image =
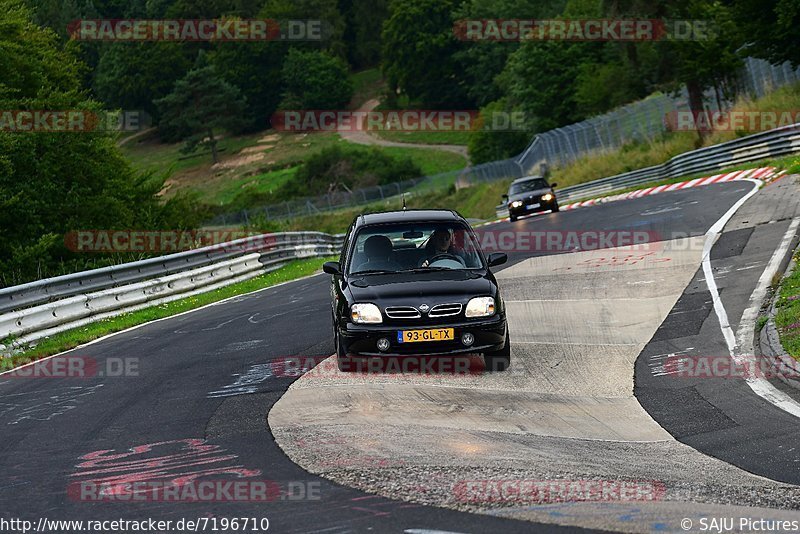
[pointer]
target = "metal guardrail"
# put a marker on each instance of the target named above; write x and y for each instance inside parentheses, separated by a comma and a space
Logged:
(42, 291)
(773, 143)
(46, 306)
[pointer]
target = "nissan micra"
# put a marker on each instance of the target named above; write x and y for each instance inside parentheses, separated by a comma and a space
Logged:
(415, 283)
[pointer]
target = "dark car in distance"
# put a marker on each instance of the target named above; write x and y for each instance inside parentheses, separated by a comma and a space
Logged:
(528, 195)
(415, 283)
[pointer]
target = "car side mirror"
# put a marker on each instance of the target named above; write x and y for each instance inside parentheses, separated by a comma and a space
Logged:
(497, 258)
(332, 267)
(553, 185)
(505, 197)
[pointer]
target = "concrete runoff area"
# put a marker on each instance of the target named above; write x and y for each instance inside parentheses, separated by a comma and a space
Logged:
(564, 411)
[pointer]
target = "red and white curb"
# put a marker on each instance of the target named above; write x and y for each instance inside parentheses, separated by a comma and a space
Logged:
(765, 174)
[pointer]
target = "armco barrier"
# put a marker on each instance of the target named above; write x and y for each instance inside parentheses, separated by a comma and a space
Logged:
(48, 306)
(40, 291)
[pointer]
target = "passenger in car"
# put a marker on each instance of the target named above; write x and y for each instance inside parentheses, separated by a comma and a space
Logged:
(379, 252)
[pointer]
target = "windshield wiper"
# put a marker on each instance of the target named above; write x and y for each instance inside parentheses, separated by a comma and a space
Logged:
(423, 269)
(374, 271)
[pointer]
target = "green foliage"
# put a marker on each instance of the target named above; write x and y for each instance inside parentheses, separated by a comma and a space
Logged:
(540, 79)
(201, 103)
(132, 76)
(55, 182)
(315, 80)
(480, 62)
(326, 11)
(255, 68)
(335, 168)
(418, 53)
(709, 61)
(771, 28)
(363, 31)
(488, 145)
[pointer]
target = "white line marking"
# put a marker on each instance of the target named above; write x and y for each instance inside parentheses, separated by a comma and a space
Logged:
(744, 337)
(746, 330)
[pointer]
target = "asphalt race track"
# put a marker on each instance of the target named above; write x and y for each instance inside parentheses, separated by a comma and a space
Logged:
(585, 398)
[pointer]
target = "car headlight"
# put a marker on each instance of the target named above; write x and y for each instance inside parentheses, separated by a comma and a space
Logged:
(480, 307)
(547, 197)
(516, 204)
(365, 314)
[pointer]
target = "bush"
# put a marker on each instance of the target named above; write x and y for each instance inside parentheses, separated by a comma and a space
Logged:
(337, 169)
(315, 80)
(487, 145)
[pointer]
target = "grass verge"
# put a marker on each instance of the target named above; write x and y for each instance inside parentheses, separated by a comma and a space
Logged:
(427, 138)
(367, 84)
(430, 161)
(78, 336)
(787, 316)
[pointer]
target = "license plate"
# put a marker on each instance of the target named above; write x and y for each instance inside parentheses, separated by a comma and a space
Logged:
(532, 206)
(414, 336)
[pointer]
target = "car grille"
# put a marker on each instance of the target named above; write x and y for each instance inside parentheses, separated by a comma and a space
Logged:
(445, 310)
(402, 312)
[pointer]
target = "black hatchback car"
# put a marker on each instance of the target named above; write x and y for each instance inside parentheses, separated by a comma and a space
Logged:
(531, 194)
(415, 283)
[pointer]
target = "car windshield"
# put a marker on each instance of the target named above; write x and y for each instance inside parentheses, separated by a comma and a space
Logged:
(412, 247)
(527, 185)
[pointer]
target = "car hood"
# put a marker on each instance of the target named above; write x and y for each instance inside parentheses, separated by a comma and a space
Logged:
(526, 194)
(413, 289)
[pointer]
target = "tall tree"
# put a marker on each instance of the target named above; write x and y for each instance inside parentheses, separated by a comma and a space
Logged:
(134, 75)
(418, 53)
(770, 27)
(540, 79)
(200, 103)
(362, 34)
(708, 58)
(315, 80)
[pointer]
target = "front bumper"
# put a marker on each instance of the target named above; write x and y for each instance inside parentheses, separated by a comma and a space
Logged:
(361, 340)
(523, 210)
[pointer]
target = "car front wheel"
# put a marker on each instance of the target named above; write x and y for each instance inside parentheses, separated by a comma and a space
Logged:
(343, 362)
(498, 360)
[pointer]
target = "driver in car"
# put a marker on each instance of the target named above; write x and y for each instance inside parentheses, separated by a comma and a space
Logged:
(440, 244)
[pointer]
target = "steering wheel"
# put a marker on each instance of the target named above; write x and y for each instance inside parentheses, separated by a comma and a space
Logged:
(446, 256)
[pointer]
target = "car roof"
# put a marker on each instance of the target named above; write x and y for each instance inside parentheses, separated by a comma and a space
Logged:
(416, 215)
(527, 178)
